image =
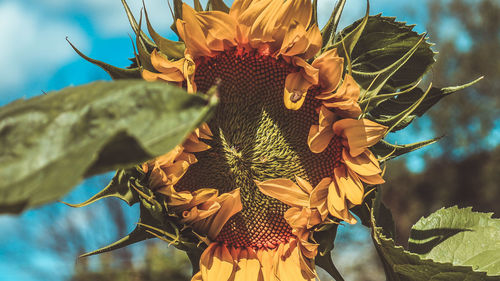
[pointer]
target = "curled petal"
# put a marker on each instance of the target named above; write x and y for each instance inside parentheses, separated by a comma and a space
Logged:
(330, 67)
(320, 136)
(200, 212)
(230, 204)
(319, 195)
(304, 185)
(298, 41)
(365, 164)
(345, 99)
(374, 179)
(296, 87)
(315, 41)
(350, 183)
(360, 134)
(337, 205)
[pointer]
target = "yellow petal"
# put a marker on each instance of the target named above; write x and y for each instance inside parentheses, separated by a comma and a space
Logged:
(330, 67)
(193, 144)
(230, 204)
(203, 195)
(216, 263)
(192, 33)
(238, 7)
(318, 140)
(200, 212)
(295, 41)
(336, 198)
(165, 66)
(165, 77)
(197, 277)
(305, 185)
(294, 10)
(350, 184)
(375, 179)
(284, 190)
(296, 87)
(365, 164)
(189, 71)
(249, 268)
(319, 195)
(220, 29)
(260, 18)
(297, 217)
(360, 134)
(315, 41)
(266, 257)
(345, 99)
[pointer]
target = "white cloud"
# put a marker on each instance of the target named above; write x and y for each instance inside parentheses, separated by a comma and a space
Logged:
(32, 46)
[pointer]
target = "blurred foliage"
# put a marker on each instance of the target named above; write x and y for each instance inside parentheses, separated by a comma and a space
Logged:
(472, 181)
(465, 119)
(467, 35)
(158, 263)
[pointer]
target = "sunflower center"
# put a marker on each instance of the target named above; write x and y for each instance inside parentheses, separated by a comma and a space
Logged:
(255, 138)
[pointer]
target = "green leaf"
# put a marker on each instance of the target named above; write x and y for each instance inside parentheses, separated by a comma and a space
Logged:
(119, 187)
(399, 103)
(383, 42)
(137, 235)
(172, 49)
(325, 237)
(460, 237)
(50, 143)
(348, 39)
(116, 73)
(389, 151)
(217, 5)
(402, 265)
(137, 29)
(329, 30)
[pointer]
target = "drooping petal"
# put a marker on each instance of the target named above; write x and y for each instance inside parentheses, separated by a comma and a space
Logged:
(216, 263)
(193, 144)
(295, 41)
(374, 179)
(319, 195)
(315, 41)
(192, 33)
(230, 204)
(170, 71)
(305, 185)
(345, 99)
(350, 183)
(360, 134)
(330, 67)
(320, 135)
(301, 42)
(296, 87)
(200, 212)
(284, 190)
(365, 164)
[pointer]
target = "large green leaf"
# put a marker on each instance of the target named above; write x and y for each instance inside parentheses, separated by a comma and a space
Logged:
(460, 237)
(50, 143)
(383, 42)
(402, 265)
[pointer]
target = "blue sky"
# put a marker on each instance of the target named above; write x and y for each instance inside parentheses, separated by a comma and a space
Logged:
(35, 57)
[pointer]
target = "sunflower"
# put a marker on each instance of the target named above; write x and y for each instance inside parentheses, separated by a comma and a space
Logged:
(288, 120)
